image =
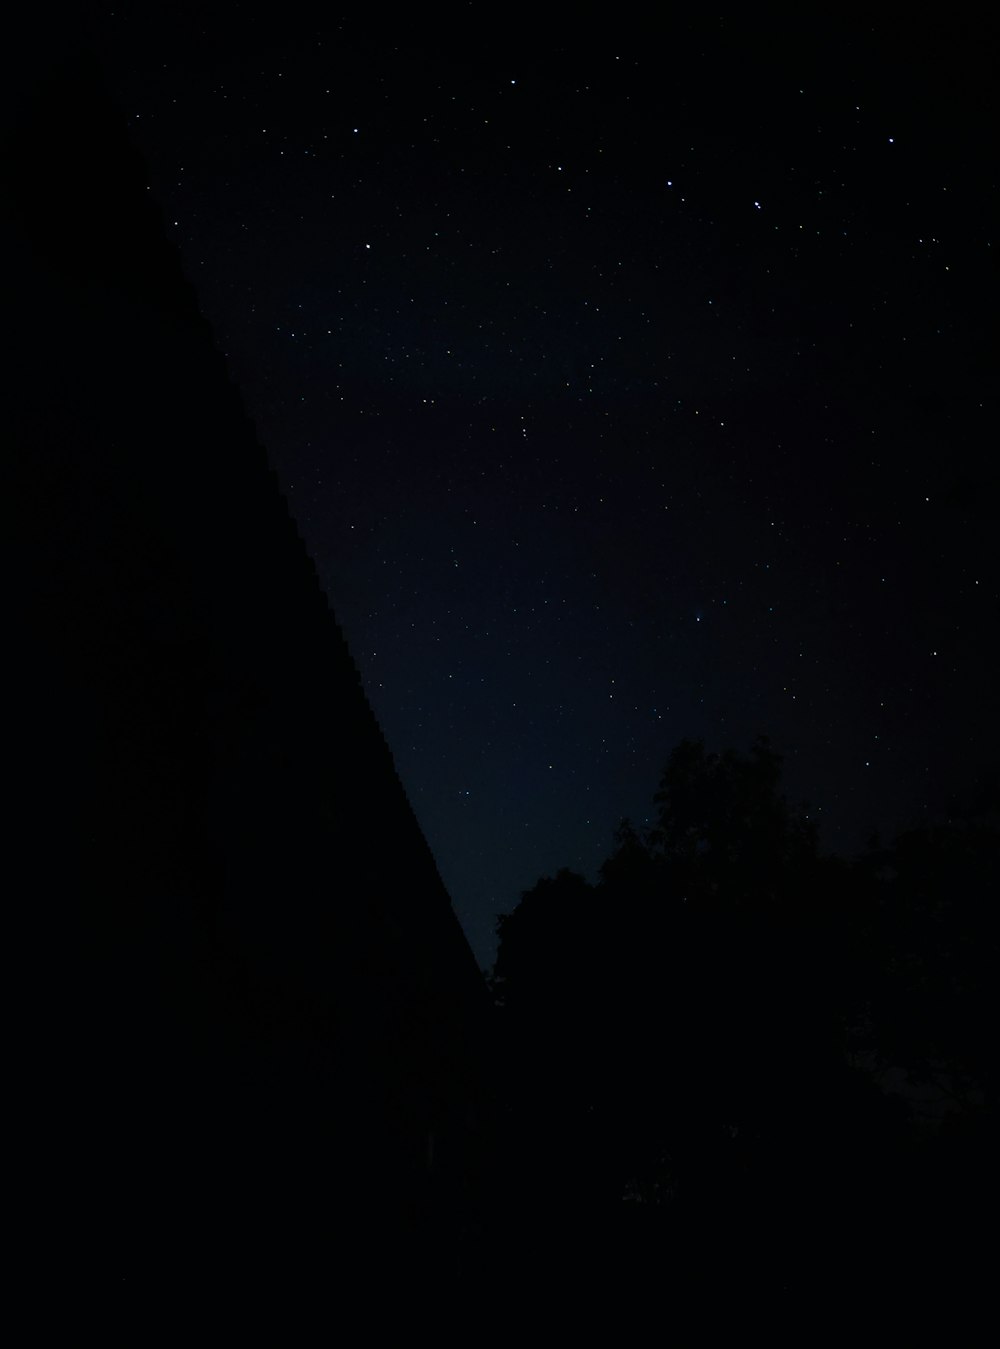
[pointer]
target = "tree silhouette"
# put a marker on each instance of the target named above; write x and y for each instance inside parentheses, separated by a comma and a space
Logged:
(927, 993)
(699, 1048)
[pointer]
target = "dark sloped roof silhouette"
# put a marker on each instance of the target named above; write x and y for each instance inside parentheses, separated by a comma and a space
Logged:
(254, 1026)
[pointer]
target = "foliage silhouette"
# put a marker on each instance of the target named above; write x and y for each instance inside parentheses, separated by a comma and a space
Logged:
(710, 1053)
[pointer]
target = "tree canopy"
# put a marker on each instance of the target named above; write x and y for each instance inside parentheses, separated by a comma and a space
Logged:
(728, 1022)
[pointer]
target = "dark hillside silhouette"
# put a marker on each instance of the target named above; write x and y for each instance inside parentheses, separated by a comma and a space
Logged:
(253, 1027)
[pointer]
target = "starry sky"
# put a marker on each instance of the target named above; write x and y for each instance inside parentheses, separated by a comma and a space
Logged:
(628, 379)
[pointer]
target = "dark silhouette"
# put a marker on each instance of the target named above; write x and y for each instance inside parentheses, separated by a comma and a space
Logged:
(253, 1029)
(714, 1055)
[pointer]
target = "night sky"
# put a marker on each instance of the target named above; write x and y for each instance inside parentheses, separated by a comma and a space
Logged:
(628, 381)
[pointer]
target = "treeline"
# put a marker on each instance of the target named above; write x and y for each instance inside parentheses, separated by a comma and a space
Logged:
(736, 1062)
